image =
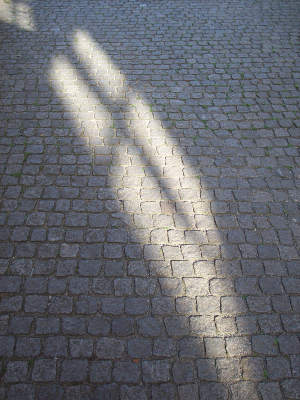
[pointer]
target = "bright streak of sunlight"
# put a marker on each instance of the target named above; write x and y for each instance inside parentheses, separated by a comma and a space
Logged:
(100, 65)
(84, 106)
(146, 130)
(6, 14)
(161, 154)
(24, 17)
(17, 13)
(149, 147)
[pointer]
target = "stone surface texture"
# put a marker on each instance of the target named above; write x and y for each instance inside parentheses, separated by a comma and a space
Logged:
(150, 220)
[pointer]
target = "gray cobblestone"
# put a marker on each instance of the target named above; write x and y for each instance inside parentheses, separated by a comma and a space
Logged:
(156, 371)
(112, 305)
(278, 367)
(21, 391)
(78, 285)
(171, 286)
(191, 347)
(270, 390)
(228, 369)
(36, 285)
(16, 371)
(27, 347)
(81, 348)
(100, 371)
(164, 347)
(264, 345)
(238, 346)
(86, 305)
(36, 304)
(289, 344)
(108, 390)
(140, 347)
(133, 392)
(20, 325)
(150, 326)
(177, 326)
(183, 372)
(137, 305)
(166, 391)
(11, 304)
(110, 348)
(89, 267)
(47, 325)
(122, 326)
(295, 365)
(57, 286)
(162, 305)
(203, 325)
(44, 371)
(98, 326)
(291, 388)
(215, 347)
(244, 390)
(253, 368)
(145, 286)
(55, 346)
(149, 203)
(74, 371)
(126, 371)
(123, 286)
(73, 325)
(212, 389)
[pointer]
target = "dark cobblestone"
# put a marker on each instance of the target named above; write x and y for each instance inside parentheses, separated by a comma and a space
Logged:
(16, 371)
(100, 371)
(140, 348)
(156, 371)
(126, 371)
(27, 347)
(44, 371)
(74, 371)
(56, 346)
(110, 348)
(133, 392)
(21, 391)
(20, 325)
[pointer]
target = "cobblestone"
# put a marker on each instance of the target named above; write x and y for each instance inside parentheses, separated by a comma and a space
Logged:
(149, 222)
(74, 371)
(16, 371)
(44, 371)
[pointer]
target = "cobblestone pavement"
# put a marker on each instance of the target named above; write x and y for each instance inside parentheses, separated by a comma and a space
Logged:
(150, 177)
